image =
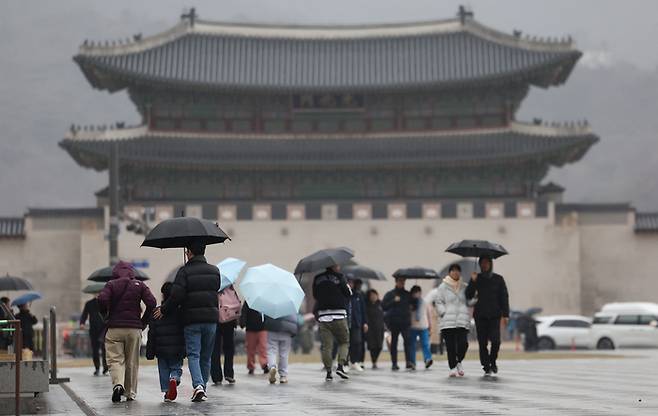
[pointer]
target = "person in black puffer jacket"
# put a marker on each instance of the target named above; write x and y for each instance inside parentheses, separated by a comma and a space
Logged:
(195, 292)
(489, 291)
(397, 314)
(167, 343)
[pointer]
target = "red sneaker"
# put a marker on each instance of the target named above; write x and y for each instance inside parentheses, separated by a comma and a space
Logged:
(172, 393)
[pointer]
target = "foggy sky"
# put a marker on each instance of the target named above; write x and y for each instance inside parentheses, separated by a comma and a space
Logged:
(42, 91)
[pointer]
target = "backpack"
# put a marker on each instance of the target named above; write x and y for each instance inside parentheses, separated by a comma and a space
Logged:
(229, 305)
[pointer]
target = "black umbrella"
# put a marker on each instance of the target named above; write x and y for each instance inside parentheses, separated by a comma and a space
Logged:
(477, 248)
(416, 273)
(324, 258)
(180, 232)
(105, 275)
(357, 271)
(14, 283)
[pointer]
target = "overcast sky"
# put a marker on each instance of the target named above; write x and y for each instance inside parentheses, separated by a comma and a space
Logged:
(42, 91)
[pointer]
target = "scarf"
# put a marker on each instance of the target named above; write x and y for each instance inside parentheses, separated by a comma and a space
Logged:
(452, 283)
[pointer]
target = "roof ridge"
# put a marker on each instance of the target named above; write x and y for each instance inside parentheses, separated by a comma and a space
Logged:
(324, 32)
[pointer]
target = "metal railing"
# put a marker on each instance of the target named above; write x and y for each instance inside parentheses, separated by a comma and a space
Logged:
(14, 325)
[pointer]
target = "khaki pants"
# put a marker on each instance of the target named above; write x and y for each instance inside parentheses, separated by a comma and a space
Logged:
(335, 330)
(122, 349)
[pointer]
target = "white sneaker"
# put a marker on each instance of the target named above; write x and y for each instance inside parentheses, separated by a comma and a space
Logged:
(356, 367)
(460, 369)
(453, 372)
(199, 395)
(272, 375)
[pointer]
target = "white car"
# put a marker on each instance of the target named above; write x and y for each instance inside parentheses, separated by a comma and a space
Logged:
(626, 324)
(563, 331)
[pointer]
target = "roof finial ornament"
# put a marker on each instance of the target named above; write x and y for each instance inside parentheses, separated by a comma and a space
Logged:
(190, 15)
(464, 14)
(517, 33)
(137, 37)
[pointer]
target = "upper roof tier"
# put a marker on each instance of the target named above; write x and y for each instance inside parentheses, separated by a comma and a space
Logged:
(551, 145)
(230, 56)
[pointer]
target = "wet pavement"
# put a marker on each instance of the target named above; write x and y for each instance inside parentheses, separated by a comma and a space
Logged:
(609, 386)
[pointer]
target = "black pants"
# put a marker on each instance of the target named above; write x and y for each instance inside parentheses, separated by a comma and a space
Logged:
(456, 340)
(395, 333)
(356, 345)
(488, 330)
(98, 351)
(374, 354)
(224, 343)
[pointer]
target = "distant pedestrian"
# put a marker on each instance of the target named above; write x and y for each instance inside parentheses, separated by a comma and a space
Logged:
(280, 332)
(195, 293)
(229, 313)
(92, 312)
(27, 325)
(121, 300)
(420, 327)
(376, 326)
(397, 313)
(167, 342)
(490, 292)
(256, 338)
(454, 317)
(332, 294)
(5, 311)
(358, 325)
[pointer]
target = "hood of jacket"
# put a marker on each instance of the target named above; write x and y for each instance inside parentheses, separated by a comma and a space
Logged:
(123, 270)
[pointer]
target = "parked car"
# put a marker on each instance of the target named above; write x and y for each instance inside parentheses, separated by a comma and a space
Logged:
(626, 324)
(563, 331)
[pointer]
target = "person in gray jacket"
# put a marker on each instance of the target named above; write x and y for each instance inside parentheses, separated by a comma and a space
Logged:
(455, 317)
(279, 340)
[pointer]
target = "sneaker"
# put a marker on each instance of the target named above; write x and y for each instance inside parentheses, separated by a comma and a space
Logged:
(172, 393)
(374, 366)
(117, 392)
(395, 367)
(166, 400)
(283, 380)
(329, 377)
(452, 372)
(411, 367)
(106, 371)
(266, 369)
(272, 375)
(428, 363)
(494, 368)
(251, 372)
(230, 380)
(356, 367)
(460, 369)
(487, 373)
(97, 373)
(199, 395)
(342, 373)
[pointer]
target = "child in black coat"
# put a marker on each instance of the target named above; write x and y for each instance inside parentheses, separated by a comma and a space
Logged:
(167, 342)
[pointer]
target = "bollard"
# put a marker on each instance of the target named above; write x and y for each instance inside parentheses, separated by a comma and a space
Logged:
(44, 339)
(18, 341)
(53, 350)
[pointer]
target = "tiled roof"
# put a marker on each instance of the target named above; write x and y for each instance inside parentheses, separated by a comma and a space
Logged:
(555, 146)
(12, 227)
(266, 57)
(646, 222)
(593, 207)
(65, 212)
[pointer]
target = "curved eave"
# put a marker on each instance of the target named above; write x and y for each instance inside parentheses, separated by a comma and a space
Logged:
(367, 151)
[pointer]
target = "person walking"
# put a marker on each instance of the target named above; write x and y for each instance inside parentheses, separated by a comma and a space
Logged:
(280, 332)
(229, 313)
(195, 293)
(121, 300)
(256, 338)
(397, 314)
(454, 317)
(420, 327)
(358, 325)
(27, 325)
(375, 335)
(92, 312)
(489, 292)
(332, 294)
(167, 342)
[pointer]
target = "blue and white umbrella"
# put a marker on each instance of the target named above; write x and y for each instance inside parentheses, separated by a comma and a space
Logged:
(272, 291)
(229, 270)
(26, 298)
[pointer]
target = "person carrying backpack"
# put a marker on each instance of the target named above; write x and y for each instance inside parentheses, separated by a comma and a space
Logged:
(229, 314)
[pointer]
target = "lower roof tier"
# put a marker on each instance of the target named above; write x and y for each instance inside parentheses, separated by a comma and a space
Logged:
(553, 146)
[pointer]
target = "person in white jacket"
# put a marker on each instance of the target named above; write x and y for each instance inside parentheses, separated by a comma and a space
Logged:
(454, 317)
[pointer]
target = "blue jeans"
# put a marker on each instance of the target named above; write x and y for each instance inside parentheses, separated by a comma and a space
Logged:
(169, 368)
(424, 335)
(199, 342)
